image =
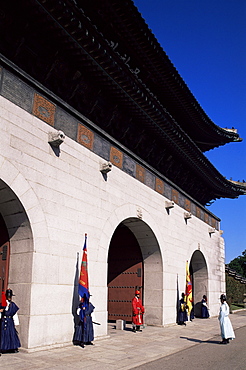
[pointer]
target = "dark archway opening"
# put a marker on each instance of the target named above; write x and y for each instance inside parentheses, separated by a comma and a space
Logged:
(125, 273)
(199, 275)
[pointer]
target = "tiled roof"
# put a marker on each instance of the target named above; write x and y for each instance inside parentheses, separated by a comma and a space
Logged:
(101, 58)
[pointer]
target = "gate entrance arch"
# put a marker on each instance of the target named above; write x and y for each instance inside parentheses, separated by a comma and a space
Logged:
(199, 272)
(16, 244)
(134, 260)
(125, 274)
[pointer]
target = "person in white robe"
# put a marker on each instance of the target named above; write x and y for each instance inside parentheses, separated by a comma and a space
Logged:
(226, 328)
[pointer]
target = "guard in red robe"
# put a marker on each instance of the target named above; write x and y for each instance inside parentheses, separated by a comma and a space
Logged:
(137, 312)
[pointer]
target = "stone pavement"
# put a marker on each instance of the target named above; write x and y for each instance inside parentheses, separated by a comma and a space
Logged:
(123, 349)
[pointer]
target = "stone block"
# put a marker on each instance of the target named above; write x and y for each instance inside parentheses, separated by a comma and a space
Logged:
(153, 316)
(101, 318)
(46, 269)
(21, 245)
(120, 324)
(52, 329)
(20, 185)
(22, 274)
(58, 298)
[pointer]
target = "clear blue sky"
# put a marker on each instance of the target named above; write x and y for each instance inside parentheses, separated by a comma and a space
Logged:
(206, 42)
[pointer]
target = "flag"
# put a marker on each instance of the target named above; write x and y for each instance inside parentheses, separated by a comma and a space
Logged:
(83, 278)
(83, 289)
(188, 290)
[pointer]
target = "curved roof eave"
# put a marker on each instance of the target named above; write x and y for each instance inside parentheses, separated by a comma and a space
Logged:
(195, 122)
(182, 98)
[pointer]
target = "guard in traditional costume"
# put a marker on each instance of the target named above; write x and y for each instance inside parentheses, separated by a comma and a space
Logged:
(205, 313)
(84, 332)
(137, 312)
(9, 341)
(182, 314)
(226, 329)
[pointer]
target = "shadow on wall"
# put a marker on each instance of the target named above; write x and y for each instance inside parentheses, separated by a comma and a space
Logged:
(198, 309)
(177, 302)
(75, 300)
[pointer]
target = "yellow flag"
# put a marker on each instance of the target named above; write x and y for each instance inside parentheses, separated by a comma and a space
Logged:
(188, 290)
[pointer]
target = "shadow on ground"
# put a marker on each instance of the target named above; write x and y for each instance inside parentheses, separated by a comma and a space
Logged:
(201, 341)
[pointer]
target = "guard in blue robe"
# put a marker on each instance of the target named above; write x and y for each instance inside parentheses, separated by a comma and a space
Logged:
(84, 332)
(205, 313)
(9, 337)
(89, 331)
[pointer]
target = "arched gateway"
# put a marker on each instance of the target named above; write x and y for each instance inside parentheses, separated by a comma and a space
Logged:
(199, 273)
(134, 260)
(16, 243)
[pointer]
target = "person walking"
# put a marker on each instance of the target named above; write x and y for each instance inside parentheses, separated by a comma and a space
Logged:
(9, 340)
(226, 329)
(205, 313)
(137, 312)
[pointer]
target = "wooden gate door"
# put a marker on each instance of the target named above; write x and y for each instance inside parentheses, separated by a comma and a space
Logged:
(4, 255)
(125, 273)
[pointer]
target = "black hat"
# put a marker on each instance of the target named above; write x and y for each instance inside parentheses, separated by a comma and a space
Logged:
(9, 293)
(223, 297)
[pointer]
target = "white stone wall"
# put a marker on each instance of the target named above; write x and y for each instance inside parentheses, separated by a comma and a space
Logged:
(65, 197)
